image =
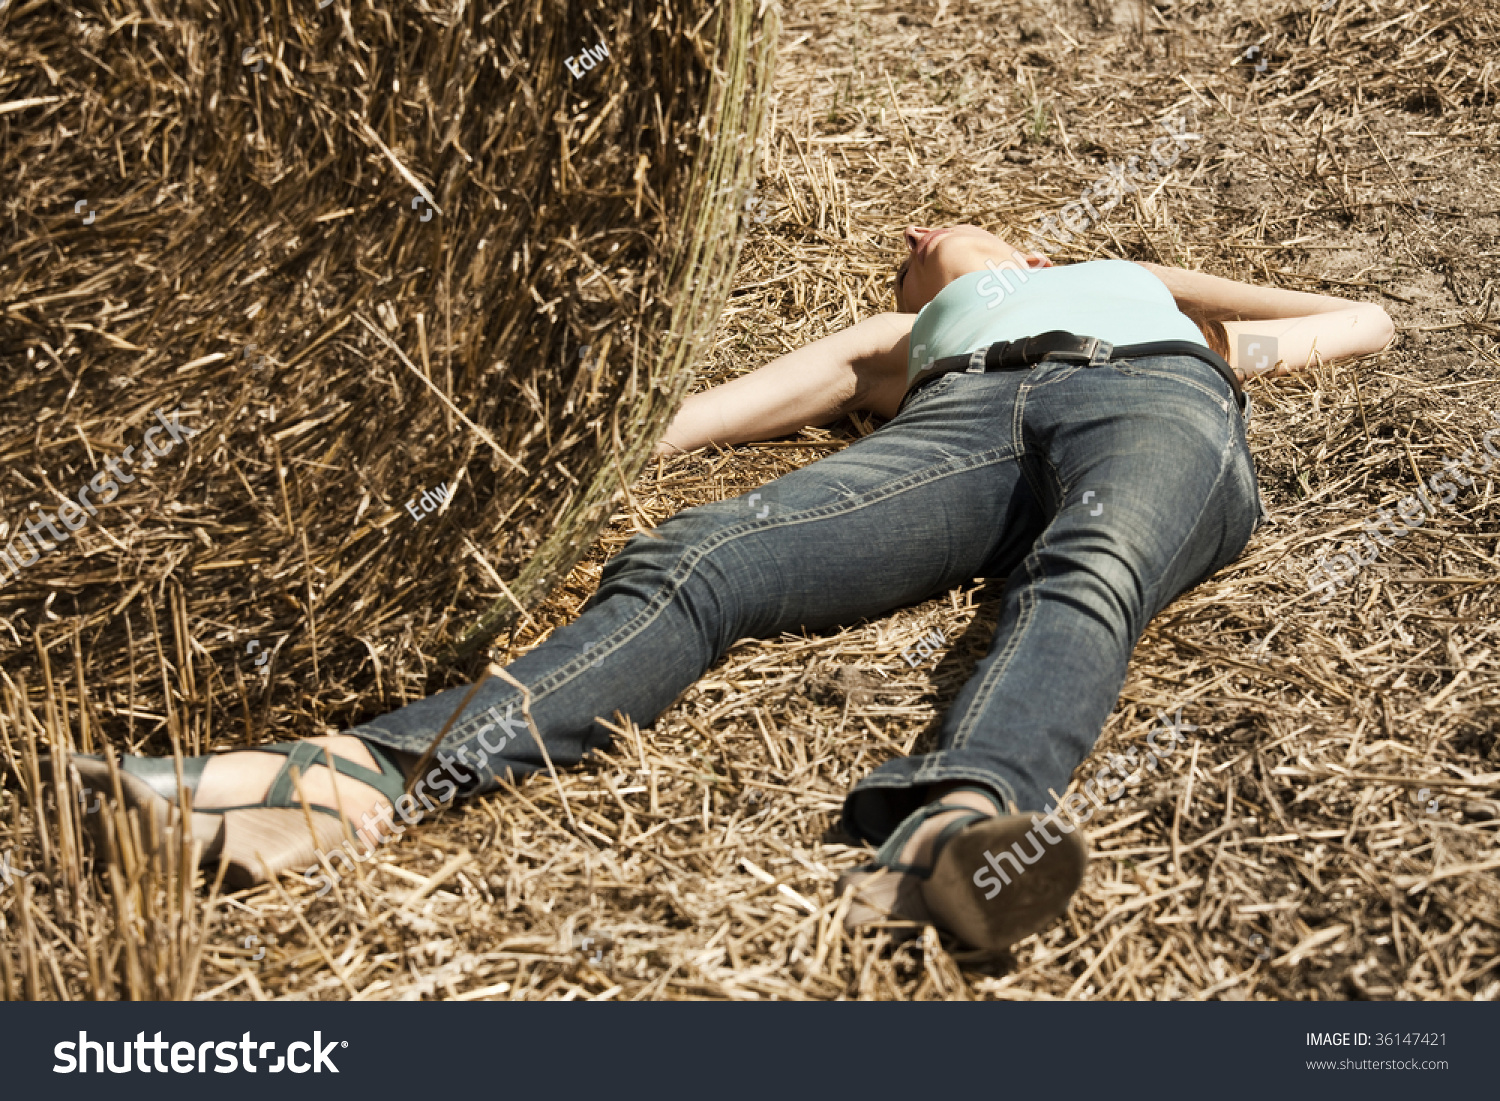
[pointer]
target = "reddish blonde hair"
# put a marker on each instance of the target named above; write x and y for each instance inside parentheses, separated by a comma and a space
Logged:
(1214, 333)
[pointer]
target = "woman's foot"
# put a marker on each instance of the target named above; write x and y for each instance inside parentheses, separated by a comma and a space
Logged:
(883, 895)
(245, 775)
(948, 869)
(246, 808)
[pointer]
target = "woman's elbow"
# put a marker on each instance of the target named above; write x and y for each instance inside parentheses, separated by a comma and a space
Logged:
(1382, 329)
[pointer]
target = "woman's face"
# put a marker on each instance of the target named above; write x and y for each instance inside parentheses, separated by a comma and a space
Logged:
(936, 257)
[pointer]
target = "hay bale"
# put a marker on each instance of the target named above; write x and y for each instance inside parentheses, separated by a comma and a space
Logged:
(359, 253)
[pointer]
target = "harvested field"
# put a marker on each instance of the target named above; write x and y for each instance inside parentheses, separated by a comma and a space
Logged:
(1328, 830)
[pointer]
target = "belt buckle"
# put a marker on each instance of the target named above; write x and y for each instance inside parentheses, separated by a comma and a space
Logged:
(976, 362)
(1094, 353)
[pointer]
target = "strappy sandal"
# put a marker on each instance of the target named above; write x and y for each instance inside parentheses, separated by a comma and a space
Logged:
(946, 892)
(250, 837)
(907, 904)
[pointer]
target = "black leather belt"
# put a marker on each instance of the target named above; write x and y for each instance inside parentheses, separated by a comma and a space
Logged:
(1019, 355)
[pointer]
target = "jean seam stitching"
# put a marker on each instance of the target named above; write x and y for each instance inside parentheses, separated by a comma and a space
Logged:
(934, 387)
(1224, 457)
(683, 569)
(1036, 573)
(1168, 376)
(1018, 435)
(914, 480)
(561, 677)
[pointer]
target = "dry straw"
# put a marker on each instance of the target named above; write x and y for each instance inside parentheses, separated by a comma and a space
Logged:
(359, 247)
(1329, 834)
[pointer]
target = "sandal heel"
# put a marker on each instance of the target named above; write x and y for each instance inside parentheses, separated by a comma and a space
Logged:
(271, 833)
(1030, 899)
(256, 838)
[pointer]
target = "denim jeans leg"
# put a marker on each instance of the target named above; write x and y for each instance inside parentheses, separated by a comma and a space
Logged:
(895, 518)
(1148, 488)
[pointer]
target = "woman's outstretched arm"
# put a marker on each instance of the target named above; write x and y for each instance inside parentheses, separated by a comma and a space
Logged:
(855, 368)
(1299, 323)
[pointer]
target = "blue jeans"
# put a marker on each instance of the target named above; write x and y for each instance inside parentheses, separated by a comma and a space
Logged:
(1101, 493)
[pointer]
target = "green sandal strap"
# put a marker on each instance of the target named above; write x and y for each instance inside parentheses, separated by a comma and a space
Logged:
(946, 833)
(302, 756)
(889, 855)
(160, 773)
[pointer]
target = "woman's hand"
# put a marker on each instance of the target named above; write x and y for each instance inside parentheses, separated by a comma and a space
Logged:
(1272, 331)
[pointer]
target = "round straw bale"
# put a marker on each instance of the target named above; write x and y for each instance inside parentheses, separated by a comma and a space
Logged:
(416, 291)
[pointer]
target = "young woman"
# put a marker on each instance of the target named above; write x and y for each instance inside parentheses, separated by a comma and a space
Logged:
(1102, 481)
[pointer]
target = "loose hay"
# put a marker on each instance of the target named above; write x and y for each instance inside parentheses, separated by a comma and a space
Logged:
(1288, 851)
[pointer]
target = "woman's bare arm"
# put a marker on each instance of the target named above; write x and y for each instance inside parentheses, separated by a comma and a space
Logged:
(1279, 346)
(855, 368)
(1274, 331)
(1220, 299)
(865, 365)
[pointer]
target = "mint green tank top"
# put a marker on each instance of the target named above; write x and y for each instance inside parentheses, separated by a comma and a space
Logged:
(1114, 300)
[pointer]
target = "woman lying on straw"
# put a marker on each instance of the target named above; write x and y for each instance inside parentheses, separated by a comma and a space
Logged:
(1103, 474)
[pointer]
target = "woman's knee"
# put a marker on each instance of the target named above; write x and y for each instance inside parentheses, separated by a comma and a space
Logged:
(669, 555)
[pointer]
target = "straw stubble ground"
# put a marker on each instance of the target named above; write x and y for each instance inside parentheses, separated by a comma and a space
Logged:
(1329, 829)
